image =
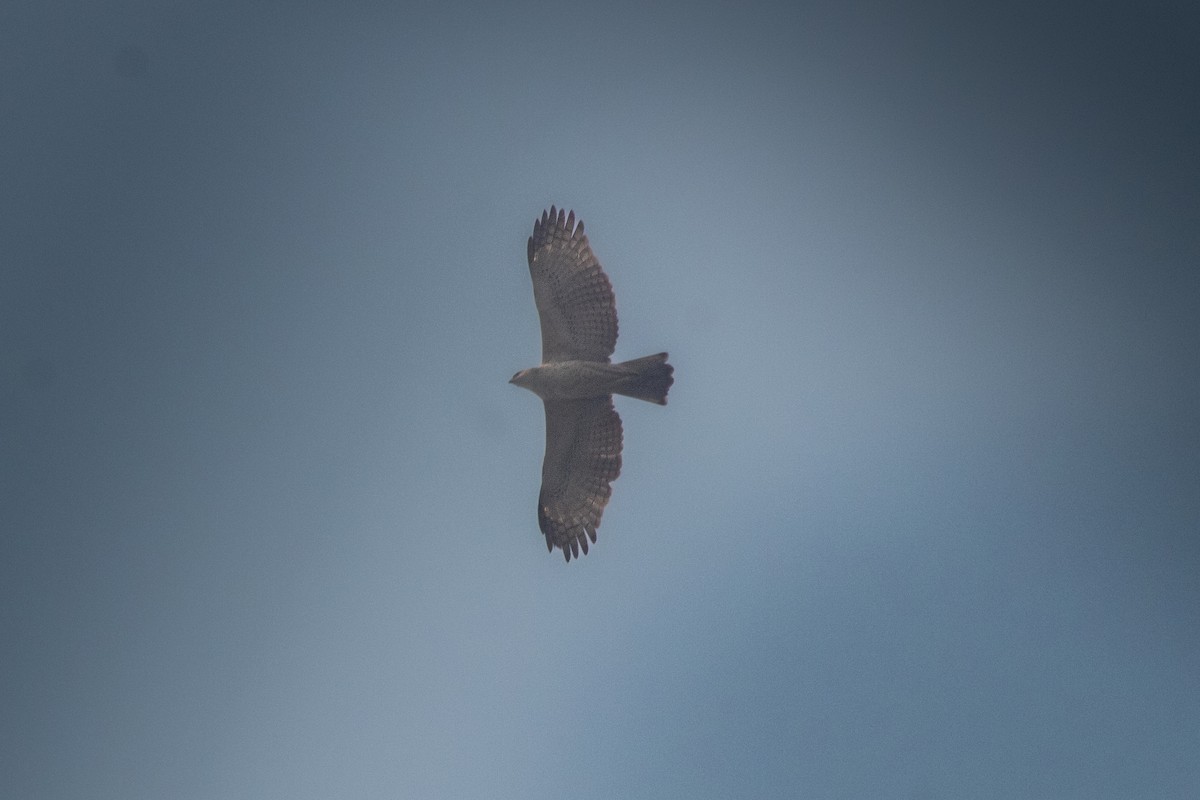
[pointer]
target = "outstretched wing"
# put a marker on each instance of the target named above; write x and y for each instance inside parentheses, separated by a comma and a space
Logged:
(574, 299)
(583, 456)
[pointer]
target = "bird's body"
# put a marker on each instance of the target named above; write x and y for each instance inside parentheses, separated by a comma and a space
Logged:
(643, 378)
(577, 380)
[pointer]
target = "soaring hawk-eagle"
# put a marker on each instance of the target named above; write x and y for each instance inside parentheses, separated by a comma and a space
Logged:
(576, 381)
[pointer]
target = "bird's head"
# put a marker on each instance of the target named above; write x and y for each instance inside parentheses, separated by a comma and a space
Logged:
(527, 379)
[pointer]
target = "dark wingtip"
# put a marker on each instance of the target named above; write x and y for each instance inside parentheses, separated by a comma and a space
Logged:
(560, 218)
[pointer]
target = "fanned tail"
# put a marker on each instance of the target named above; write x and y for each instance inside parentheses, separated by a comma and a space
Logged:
(650, 378)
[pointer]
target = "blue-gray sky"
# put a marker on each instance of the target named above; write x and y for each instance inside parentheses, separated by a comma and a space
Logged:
(922, 519)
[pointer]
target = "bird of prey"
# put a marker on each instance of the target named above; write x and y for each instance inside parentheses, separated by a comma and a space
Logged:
(576, 381)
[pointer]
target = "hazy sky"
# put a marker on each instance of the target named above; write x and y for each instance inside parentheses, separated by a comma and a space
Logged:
(921, 520)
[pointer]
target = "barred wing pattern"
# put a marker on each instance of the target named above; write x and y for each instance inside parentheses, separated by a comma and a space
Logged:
(583, 456)
(574, 298)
